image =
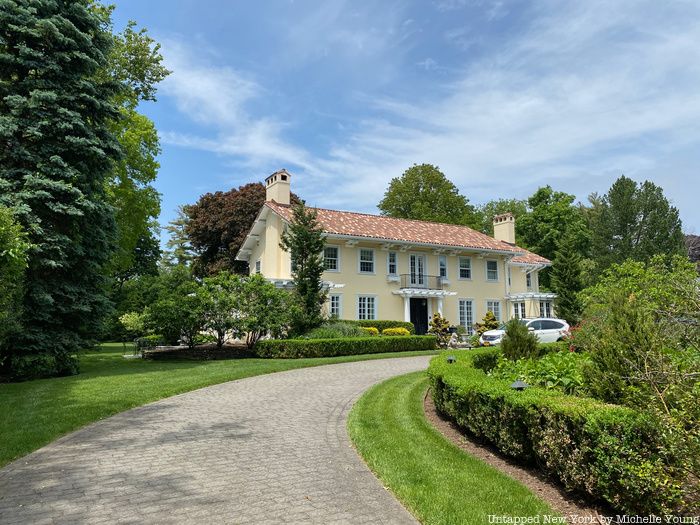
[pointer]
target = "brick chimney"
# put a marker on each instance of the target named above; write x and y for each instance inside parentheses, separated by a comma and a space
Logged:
(277, 187)
(504, 228)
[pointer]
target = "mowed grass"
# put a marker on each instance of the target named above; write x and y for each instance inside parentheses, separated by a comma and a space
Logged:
(35, 413)
(434, 479)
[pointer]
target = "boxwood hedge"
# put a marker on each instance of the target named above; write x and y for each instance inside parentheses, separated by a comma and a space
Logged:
(295, 348)
(382, 325)
(608, 452)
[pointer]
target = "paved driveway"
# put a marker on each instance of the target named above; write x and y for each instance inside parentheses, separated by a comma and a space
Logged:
(267, 449)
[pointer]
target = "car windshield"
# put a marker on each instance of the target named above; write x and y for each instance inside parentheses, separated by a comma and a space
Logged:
(502, 326)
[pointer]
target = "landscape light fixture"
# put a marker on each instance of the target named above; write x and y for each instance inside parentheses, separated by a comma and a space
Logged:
(451, 359)
(519, 385)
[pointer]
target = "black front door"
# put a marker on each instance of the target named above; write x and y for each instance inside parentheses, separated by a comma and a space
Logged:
(419, 315)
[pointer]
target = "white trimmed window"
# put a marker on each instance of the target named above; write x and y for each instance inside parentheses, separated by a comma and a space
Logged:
(257, 266)
(331, 259)
(495, 308)
(491, 270)
(545, 308)
(442, 264)
(334, 305)
(466, 315)
(392, 267)
(519, 310)
(366, 307)
(465, 268)
(528, 280)
(366, 260)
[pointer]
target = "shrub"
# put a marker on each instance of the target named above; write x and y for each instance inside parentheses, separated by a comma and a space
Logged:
(440, 328)
(147, 341)
(561, 371)
(606, 451)
(383, 324)
(518, 341)
(400, 331)
(489, 322)
(371, 330)
(297, 348)
(334, 330)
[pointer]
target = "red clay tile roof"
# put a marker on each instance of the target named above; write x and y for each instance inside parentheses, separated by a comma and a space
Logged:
(391, 229)
(529, 258)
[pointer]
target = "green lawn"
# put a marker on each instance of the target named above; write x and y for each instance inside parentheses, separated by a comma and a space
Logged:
(435, 480)
(35, 413)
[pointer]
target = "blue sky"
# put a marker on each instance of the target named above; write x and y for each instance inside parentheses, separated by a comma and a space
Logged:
(503, 96)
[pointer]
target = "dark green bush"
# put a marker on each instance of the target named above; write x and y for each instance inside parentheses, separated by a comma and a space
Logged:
(36, 366)
(382, 325)
(296, 348)
(518, 341)
(334, 330)
(606, 451)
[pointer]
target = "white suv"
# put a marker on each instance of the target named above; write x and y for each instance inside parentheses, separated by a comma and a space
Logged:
(547, 330)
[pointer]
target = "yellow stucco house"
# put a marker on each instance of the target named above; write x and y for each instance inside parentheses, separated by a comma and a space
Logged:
(385, 268)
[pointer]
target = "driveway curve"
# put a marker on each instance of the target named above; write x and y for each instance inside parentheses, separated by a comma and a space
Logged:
(266, 449)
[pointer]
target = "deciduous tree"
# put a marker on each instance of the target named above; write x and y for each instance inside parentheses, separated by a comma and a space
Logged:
(424, 193)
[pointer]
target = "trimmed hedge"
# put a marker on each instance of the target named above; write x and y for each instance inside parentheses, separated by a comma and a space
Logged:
(381, 325)
(606, 451)
(296, 348)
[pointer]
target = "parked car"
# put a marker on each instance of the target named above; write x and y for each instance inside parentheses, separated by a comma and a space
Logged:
(547, 330)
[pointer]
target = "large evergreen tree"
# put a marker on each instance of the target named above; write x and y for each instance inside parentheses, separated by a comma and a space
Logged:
(567, 279)
(634, 221)
(57, 153)
(304, 240)
(424, 193)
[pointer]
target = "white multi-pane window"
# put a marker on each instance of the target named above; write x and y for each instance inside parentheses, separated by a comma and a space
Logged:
(442, 263)
(366, 260)
(334, 305)
(465, 268)
(392, 267)
(545, 309)
(528, 280)
(257, 266)
(492, 270)
(466, 315)
(495, 308)
(330, 259)
(366, 307)
(509, 276)
(519, 310)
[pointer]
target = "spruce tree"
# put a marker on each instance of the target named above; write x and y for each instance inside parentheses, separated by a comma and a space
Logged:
(567, 279)
(304, 241)
(56, 155)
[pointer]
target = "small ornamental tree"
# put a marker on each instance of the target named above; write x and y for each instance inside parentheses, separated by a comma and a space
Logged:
(489, 322)
(440, 328)
(219, 296)
(263, 309)
(518, 341)
(304, 240)
(178, 315)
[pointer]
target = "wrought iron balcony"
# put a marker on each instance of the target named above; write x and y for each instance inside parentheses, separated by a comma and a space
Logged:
(415, 280)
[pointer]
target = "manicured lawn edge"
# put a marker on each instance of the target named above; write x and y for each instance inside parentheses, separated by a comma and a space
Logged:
(35, 413)
(434, 479)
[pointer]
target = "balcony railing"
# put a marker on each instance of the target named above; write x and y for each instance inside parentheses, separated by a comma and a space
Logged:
(414, 280)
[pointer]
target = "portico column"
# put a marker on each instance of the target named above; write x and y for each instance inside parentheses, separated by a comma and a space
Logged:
(407, 308)
(439, 306)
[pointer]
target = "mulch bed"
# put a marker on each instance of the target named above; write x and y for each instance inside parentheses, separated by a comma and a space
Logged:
(566, 504)
(198, 353)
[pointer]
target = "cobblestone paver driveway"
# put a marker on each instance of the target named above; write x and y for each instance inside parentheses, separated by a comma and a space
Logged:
(267, 449)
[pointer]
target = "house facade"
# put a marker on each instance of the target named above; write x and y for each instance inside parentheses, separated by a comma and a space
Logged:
(385, 268)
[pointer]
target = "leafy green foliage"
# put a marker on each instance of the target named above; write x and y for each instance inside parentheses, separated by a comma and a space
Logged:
(13, 261)
(58, 153)
(606, 451)
(297, 348)
(334, 330)
(559, 370)
(567, 279)
(489, 322)
(179, 250)
(262, 309)
(304, 240)
(218, 223)
(134, 324)
(440, 328)
(220, 298)
(424, 193)
(488, 211)
(518, 341)
(634, 221)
